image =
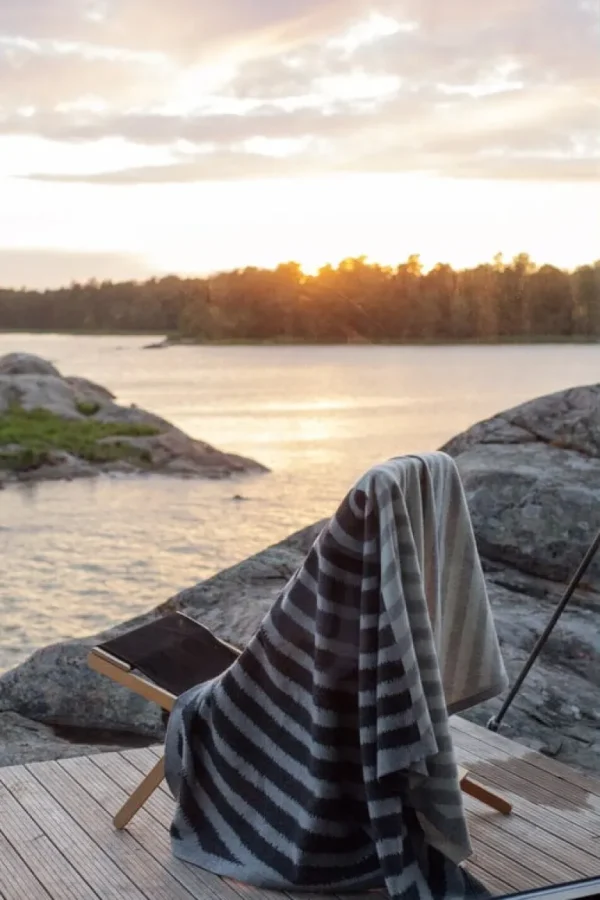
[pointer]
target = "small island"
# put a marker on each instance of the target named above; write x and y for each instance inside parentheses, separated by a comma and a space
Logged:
(56, 427)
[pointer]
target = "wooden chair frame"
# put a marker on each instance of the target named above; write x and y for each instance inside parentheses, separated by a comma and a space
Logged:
(121, 672)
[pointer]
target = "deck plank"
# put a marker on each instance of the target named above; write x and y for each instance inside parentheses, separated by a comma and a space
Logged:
(562, 774)
(531, 857)
(85, 856)
(575, 808)
(531, 824)
(151, 824)
(17, 881)
(105, 785)
(77, 782)
(37, 852)
(554, 776)
(57, 841)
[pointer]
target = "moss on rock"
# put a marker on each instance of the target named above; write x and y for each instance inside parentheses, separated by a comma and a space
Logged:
(28, 438)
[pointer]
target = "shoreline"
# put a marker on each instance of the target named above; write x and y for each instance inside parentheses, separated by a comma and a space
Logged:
(532, 340)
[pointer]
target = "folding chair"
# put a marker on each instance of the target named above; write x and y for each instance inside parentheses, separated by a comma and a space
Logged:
(161, 660)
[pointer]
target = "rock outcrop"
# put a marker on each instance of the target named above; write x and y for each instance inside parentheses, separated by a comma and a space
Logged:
(129, 439)
(26, 364)
(532, 477)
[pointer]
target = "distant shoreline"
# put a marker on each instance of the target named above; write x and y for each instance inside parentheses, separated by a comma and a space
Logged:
(287, 342)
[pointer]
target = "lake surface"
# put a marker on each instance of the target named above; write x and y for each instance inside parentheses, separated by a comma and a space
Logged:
(78, 557)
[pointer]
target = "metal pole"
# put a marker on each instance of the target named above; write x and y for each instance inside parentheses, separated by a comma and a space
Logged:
(495, 722)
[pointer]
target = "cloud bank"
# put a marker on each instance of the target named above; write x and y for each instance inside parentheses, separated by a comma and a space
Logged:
(254, 88)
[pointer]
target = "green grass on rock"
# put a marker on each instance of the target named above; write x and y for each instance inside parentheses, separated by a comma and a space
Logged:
(35, 433)
(87, 407)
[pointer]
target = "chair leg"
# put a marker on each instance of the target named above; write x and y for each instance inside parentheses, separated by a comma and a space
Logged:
(483, 794)
(135, 802)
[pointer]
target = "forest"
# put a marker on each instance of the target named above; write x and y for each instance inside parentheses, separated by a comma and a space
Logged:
(353, 302)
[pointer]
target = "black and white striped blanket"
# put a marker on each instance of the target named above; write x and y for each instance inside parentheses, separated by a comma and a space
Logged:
(322, 759)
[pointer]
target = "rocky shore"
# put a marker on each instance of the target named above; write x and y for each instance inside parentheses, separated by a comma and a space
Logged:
(532, 477)
(56, 427)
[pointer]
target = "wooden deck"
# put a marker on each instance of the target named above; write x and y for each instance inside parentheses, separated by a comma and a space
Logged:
(57, 841)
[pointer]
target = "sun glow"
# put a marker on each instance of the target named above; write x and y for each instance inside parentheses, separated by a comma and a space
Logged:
(386, 218)
(202, 227)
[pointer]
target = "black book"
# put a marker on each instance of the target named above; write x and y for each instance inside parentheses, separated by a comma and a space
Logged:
(174, 651)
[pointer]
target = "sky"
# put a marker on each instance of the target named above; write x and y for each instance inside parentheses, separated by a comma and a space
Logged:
(139, 137)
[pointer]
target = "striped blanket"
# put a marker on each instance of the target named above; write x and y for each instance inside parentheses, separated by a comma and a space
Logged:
(322, 759)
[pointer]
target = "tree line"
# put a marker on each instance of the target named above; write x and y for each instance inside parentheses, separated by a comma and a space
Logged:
(355, 301)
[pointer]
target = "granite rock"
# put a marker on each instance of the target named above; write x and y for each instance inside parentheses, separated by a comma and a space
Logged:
(32, 383)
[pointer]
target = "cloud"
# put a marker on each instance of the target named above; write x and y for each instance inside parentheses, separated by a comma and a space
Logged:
(503, 90)
(543, 133)
(532, 168)
(150, 128)
(42, 268)
(50, 75)
(224, 166)
(187, 29)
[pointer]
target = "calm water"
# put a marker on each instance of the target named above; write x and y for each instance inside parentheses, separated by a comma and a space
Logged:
(77, 557)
